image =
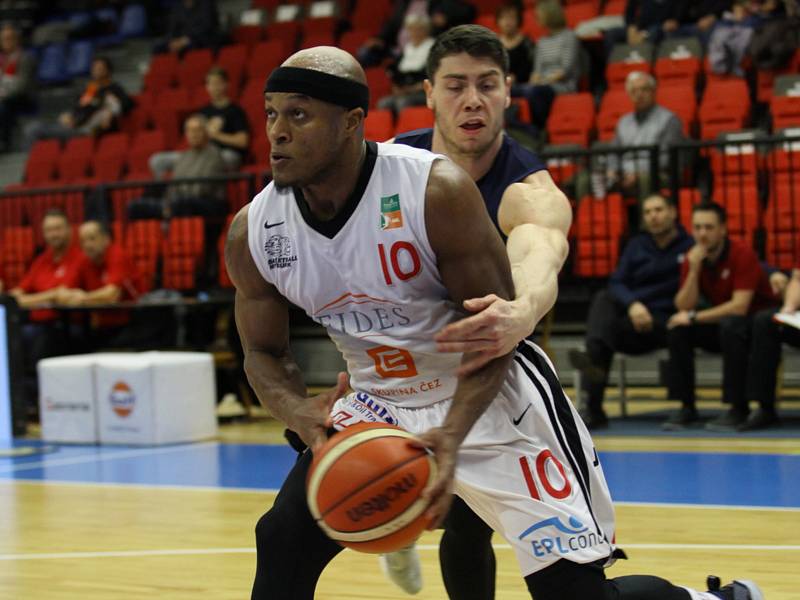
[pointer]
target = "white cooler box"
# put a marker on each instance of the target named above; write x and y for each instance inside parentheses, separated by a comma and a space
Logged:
(142, 398)
(67, 407)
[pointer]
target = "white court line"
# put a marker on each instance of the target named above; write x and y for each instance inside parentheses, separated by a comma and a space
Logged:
(206, 488)
(430, 547)
(90, 458)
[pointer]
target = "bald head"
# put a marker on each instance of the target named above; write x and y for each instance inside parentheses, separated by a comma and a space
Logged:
(330, 60)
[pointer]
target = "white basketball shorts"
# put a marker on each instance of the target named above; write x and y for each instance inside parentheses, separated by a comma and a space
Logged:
(528, 467)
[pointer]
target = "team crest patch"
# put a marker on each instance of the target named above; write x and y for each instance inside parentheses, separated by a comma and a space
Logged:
(391, 216)
(281, 255)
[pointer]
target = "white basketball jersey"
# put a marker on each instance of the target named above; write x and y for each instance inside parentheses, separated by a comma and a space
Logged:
(374, 285)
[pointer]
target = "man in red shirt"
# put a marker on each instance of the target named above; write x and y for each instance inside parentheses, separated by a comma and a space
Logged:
(722, 286)
(43, 335)
(106, 275)
(768, 337)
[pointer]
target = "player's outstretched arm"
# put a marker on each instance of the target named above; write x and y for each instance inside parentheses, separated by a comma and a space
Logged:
(262, 317)
(472, 263)
(536, 216)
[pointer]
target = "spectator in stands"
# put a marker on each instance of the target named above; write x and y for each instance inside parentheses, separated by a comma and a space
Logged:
(765, 355)
(727, 276)
(96, 112)
(106, 275)
(649, 124)
(227, 127)
(408, 73)
(699, 18)
(646, 21)
(730, 38)
(631, 315)
(44, 334)
(393, 35)
(192, 24)
(518, 45)
(201, 159)
(16, 77)
(556, 68)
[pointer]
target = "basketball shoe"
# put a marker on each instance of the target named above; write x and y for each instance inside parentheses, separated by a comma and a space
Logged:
(736, 590)
(403, 569)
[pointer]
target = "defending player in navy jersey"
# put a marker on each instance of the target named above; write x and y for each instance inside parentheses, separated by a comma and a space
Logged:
(468, 92)
(403, 233)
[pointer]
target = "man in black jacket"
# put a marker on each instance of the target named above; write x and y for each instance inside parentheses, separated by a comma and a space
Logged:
(97, 110)
(630, 316)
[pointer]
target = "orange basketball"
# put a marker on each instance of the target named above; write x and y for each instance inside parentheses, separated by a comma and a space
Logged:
(364, 488)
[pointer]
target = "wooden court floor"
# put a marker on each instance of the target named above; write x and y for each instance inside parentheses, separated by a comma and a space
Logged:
(93, 541)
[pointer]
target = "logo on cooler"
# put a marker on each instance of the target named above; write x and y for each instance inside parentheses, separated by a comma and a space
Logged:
(122, 399)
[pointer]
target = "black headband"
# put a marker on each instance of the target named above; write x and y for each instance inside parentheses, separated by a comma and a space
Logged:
(322, 86)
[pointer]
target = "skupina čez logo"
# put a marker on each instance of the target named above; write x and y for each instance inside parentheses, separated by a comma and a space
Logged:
(279, 248)
(391, 216)
(122, 399)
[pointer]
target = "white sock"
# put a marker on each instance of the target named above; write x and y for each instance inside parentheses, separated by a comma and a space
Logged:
(701, 595)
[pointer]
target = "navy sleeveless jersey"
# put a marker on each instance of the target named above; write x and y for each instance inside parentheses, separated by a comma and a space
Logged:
(512, 164)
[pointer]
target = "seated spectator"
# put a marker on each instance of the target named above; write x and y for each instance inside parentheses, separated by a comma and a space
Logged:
(556, 68)
(409, 72)
(646, 21)
(106, 275)
(765, 356)
(16, 77)
(725, 276)
(191, 24)
(97, 111)
(730, 39)
(699, 18)
(227, 127)
(649, 124)
(393, 36)
(518, 45)
(44, 334)
(200, 160)
(631, 315)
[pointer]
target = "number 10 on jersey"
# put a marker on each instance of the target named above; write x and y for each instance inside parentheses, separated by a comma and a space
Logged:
(402, 261)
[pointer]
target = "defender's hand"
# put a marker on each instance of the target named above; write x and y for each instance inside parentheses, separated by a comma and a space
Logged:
(495, 331)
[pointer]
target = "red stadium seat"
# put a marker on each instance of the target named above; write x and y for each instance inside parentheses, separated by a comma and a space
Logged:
(265, 58)
(233, 59)
(162, 72)
(42, 161)
(614, 7)
(248, 35)
(16, 253)
(351, 41)
(287, 32)
(370, 14)
(489, 21)
(687, 198)
(785, 111)
(680, 99)
(571, 119)
(318, 39)
(185, 237)
(193, 67)
(109, 157)
(414, 117)
(379, 125)
(725, 107)
(73, 163)
(169, 110)
(523, 109)
(379, 84)
(11, 211)
(145, 144)
(626, 59)
(598, 226)
(531, 26)
(224, 278)
(613, 106)
(320, 25)
(782, 224)
(580, 10)
(143, 241)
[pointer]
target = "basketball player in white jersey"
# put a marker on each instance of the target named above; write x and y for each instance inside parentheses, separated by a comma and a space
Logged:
(381, 244)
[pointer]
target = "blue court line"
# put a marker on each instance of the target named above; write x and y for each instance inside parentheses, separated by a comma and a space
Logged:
(724, 479)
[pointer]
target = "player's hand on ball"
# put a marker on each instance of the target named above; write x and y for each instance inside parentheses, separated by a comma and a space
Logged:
(312, 420)
(439, 492)
(495, 330)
